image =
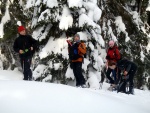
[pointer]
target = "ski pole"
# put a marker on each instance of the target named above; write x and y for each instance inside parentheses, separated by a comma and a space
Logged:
(23, 67)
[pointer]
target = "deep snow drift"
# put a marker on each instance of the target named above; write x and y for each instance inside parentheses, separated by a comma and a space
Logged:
(36, 97)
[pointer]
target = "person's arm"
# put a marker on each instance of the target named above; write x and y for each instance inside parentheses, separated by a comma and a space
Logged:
(128, 68)
(82, 48)
(33, 42)
(15, 46)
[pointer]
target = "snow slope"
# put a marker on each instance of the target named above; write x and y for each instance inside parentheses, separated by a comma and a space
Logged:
(10, 75)
(36, 97)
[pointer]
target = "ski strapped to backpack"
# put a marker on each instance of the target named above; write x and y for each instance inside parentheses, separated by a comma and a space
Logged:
(69, 42)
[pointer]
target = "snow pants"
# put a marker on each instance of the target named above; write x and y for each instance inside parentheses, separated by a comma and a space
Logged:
(131, 75)
(114, 73)
(77, 70)
(26, 63)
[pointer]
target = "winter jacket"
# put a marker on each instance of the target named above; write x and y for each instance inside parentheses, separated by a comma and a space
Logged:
(25, 42)
(81, 50)
(126, 65)
(113, 54)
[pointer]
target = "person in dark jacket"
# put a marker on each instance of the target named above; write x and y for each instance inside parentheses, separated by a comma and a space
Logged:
(128, 69)
(25, 45)
(113, 55)
(70, 43)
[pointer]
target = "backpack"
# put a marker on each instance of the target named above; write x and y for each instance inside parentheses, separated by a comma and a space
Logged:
(73, 52)
(123, 84)
(119, 53)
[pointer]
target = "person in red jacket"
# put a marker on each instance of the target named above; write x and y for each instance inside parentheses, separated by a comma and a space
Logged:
(113, 55)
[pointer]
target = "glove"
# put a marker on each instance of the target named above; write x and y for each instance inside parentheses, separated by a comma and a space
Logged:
(26, 50)
(108, 57)
(75, 51)
(125, 77)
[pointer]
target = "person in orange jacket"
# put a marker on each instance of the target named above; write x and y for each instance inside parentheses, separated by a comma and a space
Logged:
(76, 55)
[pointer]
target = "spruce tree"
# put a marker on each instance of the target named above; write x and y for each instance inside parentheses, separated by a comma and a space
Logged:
(51, 22)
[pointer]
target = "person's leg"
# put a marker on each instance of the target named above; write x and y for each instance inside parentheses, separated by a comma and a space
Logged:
(27, 70)
(79, 73)
(131, 77)
(114, 75)
(29, 65)
(131, 85)
(22, 61)
(108, 75)
(75, 73)
(118, 75)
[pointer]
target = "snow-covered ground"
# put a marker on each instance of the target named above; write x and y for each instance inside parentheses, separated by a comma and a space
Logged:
(10, 75)
(18, 96)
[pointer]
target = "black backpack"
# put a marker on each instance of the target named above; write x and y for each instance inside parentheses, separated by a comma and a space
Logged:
(119, 52)
(73, 52)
